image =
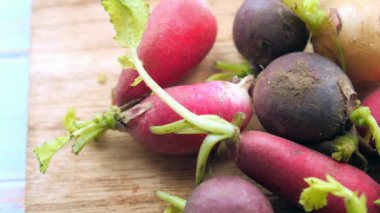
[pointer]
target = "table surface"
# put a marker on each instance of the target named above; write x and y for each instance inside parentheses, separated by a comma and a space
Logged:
(71, 45)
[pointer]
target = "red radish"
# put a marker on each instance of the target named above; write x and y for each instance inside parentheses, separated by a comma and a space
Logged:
(178, 36)
(219, 98)
(373, 102)
(281, 166)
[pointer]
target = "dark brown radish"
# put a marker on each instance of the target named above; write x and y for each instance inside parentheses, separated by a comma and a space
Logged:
(223, 194)
(178, 37)
(304, 97)
(266, 29)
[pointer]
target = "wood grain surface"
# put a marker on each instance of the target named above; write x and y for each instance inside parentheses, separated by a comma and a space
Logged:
(71, 44)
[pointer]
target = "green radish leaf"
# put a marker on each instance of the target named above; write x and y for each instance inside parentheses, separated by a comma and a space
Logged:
(377, 202)
(129, 18)
(46, 152)
(126, 62)
(69, 120)
(309, 11)
(137, 81)
(315, 196)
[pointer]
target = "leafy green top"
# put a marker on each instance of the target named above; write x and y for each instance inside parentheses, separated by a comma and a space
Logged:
(129, 18)
(309, 11)
(315, 196)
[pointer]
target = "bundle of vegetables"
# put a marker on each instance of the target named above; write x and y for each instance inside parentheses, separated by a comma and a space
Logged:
(299, 98)
(223, 99)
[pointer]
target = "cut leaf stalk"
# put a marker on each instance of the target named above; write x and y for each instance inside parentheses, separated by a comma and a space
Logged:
(82, 132)
(362, 117)
(315, 196)
(177, 202)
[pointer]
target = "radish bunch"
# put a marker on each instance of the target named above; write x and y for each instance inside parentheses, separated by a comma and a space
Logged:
(299, 98)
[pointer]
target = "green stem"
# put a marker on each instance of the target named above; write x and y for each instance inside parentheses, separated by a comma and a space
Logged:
(377, 202)
(221, 77)
(344, 146)
(314, 197)
(318, 20)
(338, 48)
(86, 137)
(184, 127)
(309, 12)
(364, 160)
(239, 70)
(362, 117)
(82, 132)
(207, 145)
(175, 201)
(172, 209)
(206, 124)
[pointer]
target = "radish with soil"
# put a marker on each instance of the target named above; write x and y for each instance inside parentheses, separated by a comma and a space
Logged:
(179, 35)
(221, 194)
(311, 99)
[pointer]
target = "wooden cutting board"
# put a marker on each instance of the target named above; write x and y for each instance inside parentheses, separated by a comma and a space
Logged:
(71, 45)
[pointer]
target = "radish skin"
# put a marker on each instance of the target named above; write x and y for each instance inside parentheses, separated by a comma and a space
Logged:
(284, 173)
(217, 98)
(373, 102)
(220, 98)
(226, 194)
(178, 37)
(222, 194)
(359, 36)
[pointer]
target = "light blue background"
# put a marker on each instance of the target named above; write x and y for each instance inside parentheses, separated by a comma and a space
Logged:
(14, 61)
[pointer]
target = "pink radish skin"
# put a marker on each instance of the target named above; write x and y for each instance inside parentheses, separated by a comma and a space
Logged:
(178, 36)
(373, 102)
(281, 165)
(226, 194)
(219, 98)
